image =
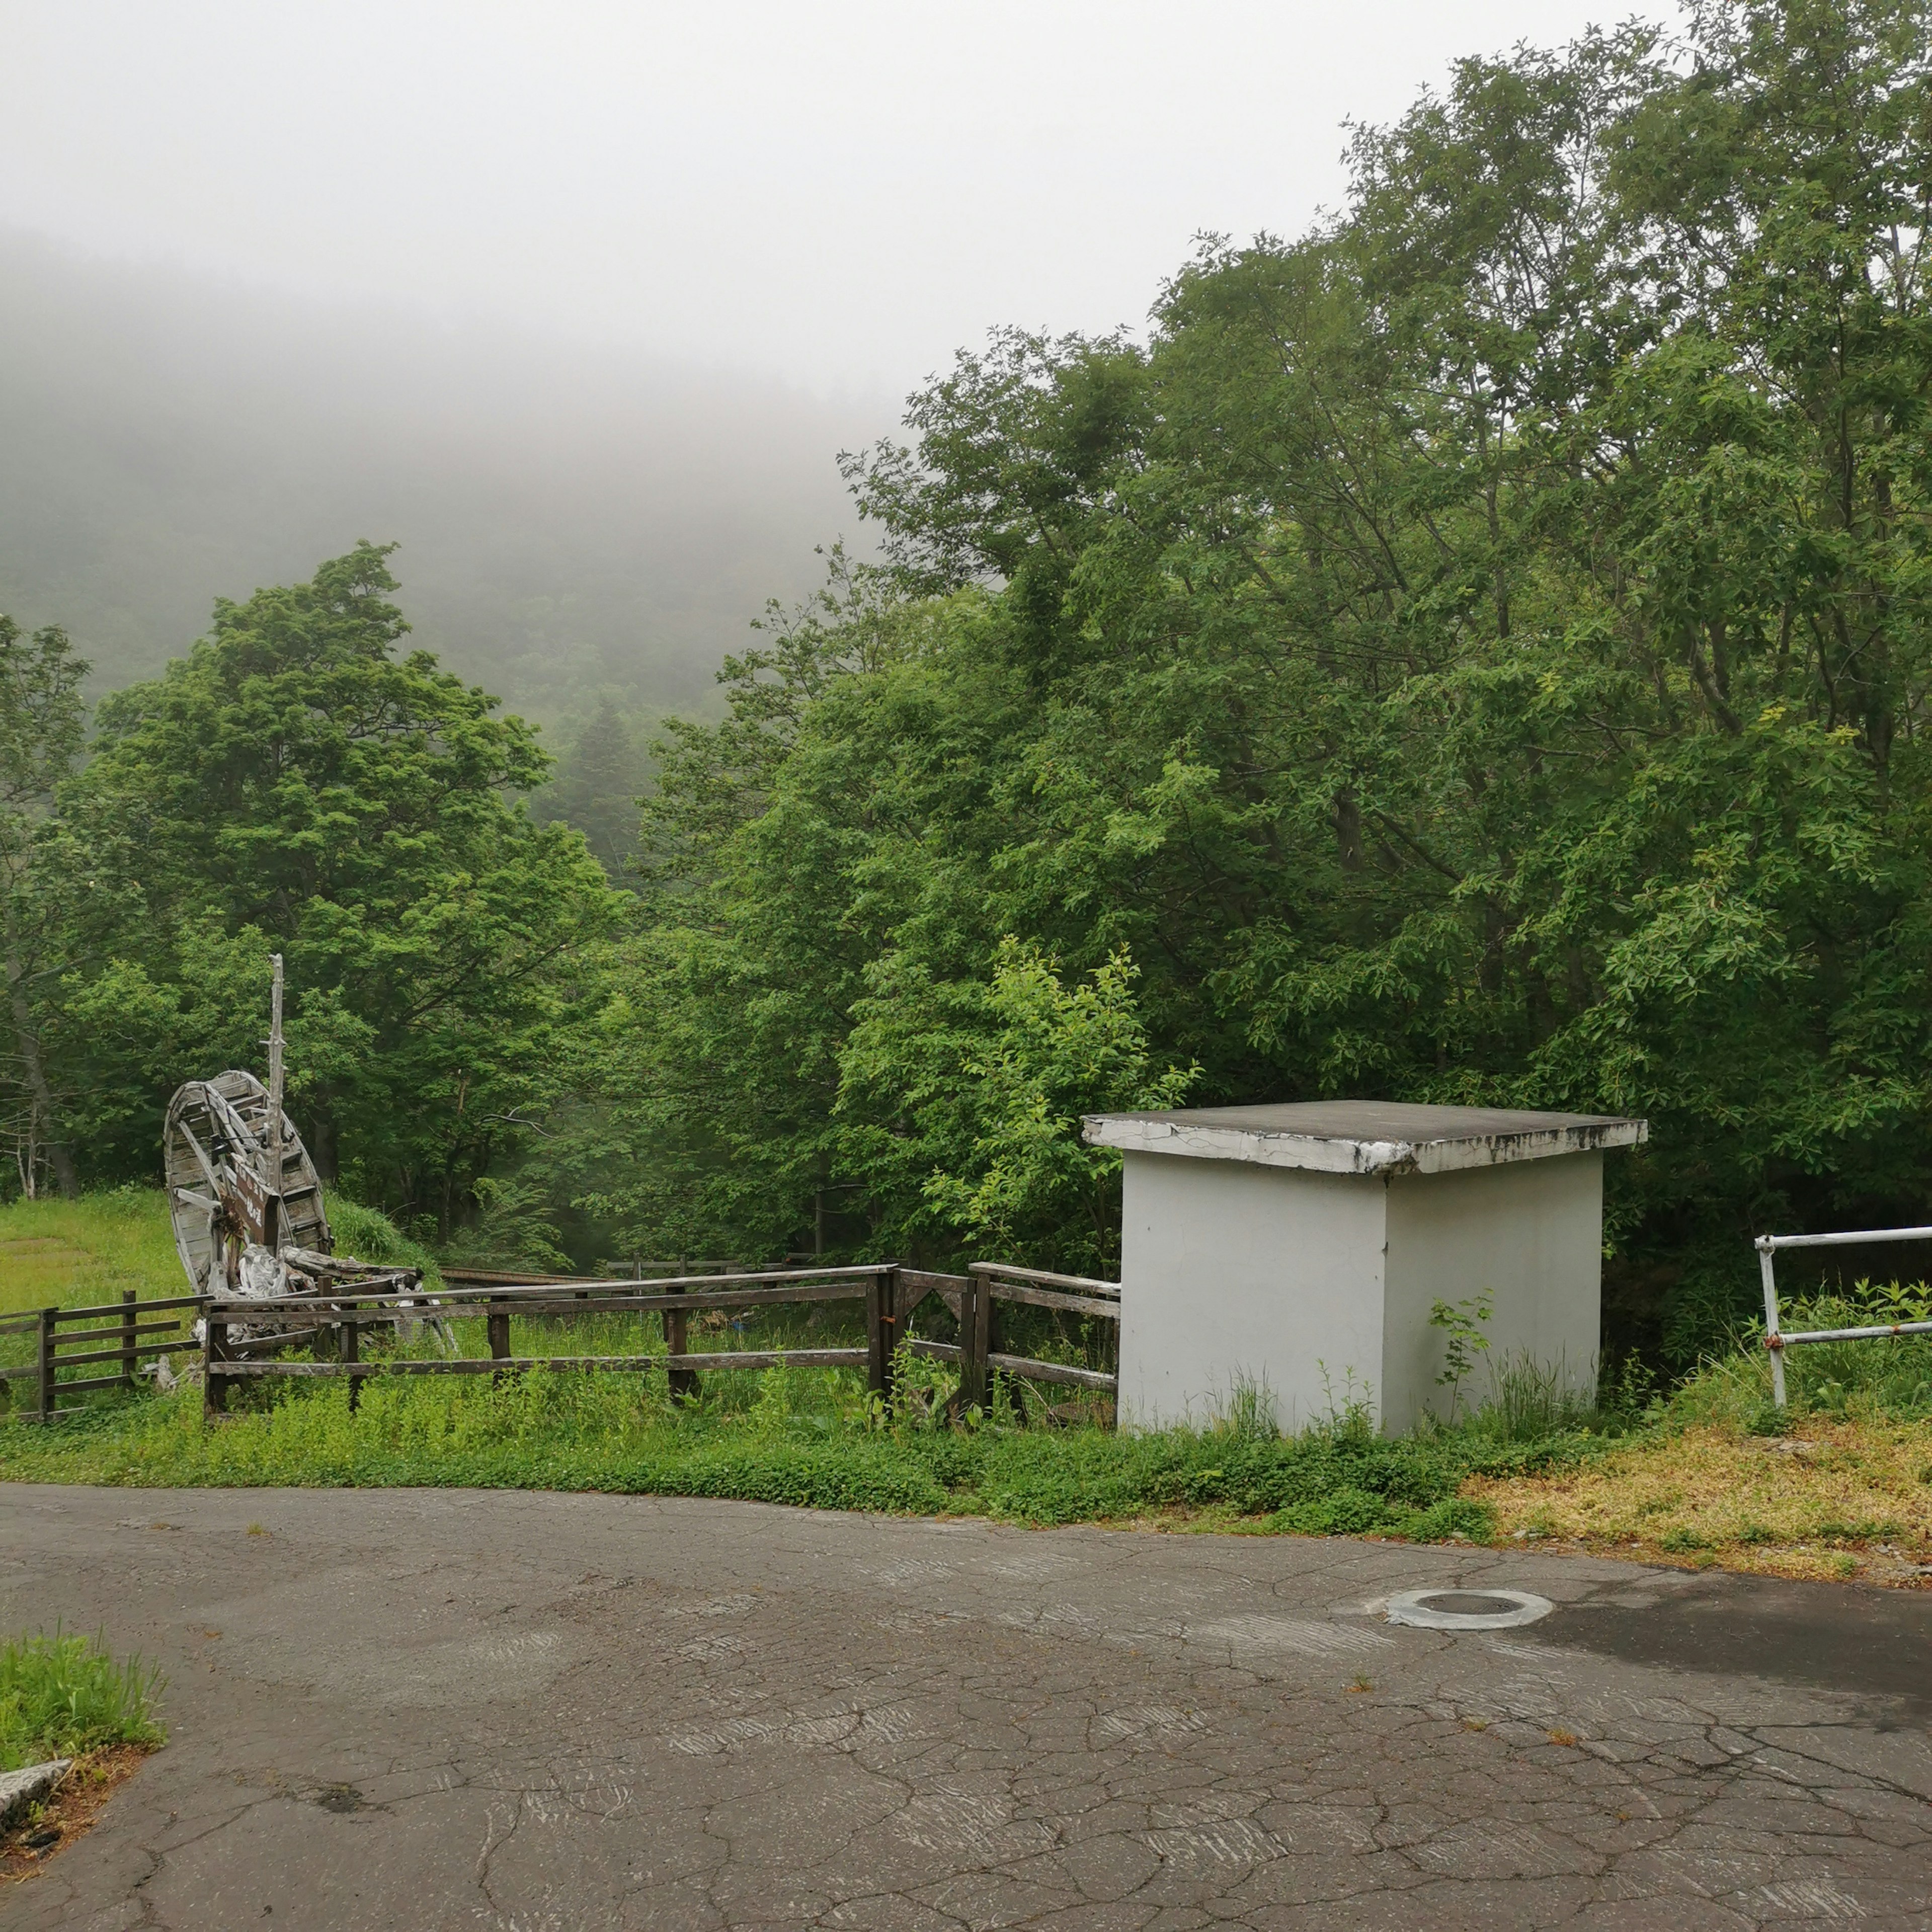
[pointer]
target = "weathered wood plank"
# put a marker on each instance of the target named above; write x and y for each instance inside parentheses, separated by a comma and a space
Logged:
(916, 1285)
(1052, 1371)
(1022, 1366)
(1050, 1298)
(91, 1382)
(484, 1365)
(114, 1307)
(65, 1361)
(46, 1353)
(1079, 1282)
(334, 1304)
(98, 1334)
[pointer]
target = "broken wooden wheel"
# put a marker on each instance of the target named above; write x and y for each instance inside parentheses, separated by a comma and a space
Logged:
(225, 1197)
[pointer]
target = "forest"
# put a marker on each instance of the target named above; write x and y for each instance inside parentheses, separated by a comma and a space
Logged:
(1478, 651)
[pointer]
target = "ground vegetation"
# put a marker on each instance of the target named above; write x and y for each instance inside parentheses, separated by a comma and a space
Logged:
(1477, 651)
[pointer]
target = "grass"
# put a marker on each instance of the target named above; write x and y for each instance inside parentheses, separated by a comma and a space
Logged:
(810, 1438)
(1839, 1485)
(72, 1254)
(64, 1697)
(1836, 1485)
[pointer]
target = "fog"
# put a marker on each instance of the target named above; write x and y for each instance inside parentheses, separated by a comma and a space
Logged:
(570, 519)
(579, 300)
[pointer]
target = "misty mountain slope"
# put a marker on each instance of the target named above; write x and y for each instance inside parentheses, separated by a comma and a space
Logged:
(571, 521)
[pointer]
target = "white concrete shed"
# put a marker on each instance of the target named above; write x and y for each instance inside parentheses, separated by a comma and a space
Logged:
(1301, 1246)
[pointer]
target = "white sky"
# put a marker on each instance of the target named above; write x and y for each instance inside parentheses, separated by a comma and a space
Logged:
(838, 194)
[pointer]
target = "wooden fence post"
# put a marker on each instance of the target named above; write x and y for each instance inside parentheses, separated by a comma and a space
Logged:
(881, 1330)
(49, 1316)
(499, 1325)
(127, 1314)
(213, 1353)
(975, 1317)
(683, 1381)
(352, 1336)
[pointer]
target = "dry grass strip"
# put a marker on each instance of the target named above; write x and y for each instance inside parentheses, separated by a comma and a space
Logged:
(1835, 1499)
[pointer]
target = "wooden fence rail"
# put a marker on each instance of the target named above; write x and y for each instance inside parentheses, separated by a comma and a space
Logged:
(333, 1321)
(342, 1316)
(55, 1350)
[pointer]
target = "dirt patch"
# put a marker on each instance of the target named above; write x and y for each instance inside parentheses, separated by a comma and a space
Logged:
(1835, 1500)
(69, 1814)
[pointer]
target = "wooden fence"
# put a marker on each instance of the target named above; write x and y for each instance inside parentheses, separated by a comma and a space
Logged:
(60, 1344)
(244, 1339)
(977, 1352)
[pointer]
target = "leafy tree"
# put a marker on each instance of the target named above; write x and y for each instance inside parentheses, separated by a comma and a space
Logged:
(42, 718)
(1478, 651)
(297, 783)
(598, 784)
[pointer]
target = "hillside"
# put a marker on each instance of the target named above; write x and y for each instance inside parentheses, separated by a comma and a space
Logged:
(571, 520)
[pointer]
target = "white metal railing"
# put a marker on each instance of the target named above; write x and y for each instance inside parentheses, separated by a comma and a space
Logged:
(1777, 1342)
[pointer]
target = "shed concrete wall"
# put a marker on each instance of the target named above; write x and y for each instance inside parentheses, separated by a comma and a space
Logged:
(1530, 1235)
(1234, 1273)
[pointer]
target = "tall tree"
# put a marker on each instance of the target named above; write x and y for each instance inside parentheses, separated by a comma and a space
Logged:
(42, 719)
(298, 783)
(600, 779)
(1481, 651)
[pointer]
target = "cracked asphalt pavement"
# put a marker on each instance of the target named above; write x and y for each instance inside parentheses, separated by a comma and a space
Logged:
(429, 1708)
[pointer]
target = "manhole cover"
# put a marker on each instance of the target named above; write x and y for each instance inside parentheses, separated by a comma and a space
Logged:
(1467, 1610)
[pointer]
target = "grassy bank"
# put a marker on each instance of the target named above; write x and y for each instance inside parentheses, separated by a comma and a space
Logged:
(73, 1254)
(811, 1438)
(1839, 1485)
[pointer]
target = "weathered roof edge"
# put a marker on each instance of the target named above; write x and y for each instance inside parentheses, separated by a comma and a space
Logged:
(1334, 1154)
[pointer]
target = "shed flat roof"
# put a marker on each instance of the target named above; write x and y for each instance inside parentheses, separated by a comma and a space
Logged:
(1363, 1136)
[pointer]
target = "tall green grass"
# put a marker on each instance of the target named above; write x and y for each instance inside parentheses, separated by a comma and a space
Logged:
(815, 1438)
(1888, 1379)
(64, 1696)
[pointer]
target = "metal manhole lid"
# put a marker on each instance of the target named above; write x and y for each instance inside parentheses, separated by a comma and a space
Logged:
(1454, 1608)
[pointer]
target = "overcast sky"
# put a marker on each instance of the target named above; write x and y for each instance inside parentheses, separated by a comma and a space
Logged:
(837, 193)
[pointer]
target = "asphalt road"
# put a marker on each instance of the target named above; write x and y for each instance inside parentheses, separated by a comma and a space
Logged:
(540, 1713)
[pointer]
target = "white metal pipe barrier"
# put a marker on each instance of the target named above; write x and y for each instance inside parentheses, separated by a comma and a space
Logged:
(1777, 1342)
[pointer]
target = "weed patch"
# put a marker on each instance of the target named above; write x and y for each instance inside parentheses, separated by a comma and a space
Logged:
(64, 1697)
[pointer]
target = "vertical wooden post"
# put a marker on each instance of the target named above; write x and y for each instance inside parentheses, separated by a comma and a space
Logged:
(683, 1381)
(881, 1330)
(274, 1230)
(127, 1313)
(213, 1353)
(352, 1337)
(975, 1317)
(49, 1317)
(499, 1324)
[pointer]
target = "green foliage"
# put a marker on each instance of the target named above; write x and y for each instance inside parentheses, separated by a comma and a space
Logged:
(814, 1441)
(1477, 653)
(1877, 1379)
(299, 784)
(601, 776)
(370, 1235)
(42, 926)
(988, 1128)
(1467, 1339)
(61, 1696)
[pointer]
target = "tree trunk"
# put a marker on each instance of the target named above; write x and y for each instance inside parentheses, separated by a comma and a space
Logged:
(60, 1156)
